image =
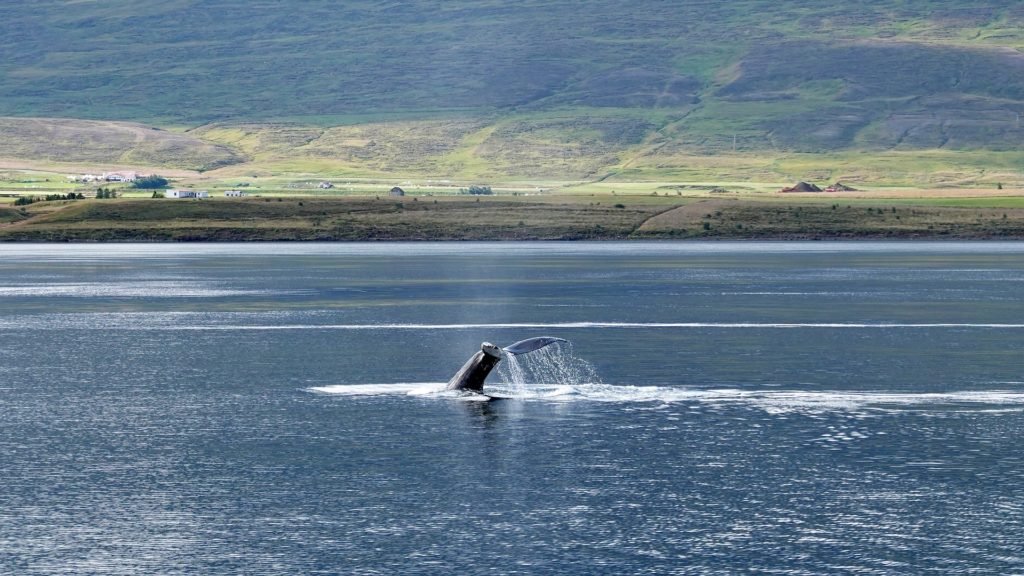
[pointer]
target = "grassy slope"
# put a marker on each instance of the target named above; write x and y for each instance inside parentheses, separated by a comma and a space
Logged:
(786, 220)
(887, 91)
(120, 143)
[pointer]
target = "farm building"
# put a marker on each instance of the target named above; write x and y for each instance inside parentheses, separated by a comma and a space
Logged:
(186, 194)
(120, 176)
(234, 193)
(396, 191)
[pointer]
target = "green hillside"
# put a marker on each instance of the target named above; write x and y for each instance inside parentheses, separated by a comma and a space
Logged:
(92, 141)
(532, 89)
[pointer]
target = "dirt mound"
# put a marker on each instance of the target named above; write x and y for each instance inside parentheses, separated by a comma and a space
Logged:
(840, 187)
(802, 187)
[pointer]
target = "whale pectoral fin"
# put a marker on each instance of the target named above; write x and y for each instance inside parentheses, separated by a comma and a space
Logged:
(531, 344)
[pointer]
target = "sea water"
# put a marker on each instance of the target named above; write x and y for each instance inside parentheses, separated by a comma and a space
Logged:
(723, 408)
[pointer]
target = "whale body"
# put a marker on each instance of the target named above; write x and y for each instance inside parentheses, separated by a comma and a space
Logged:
(473, 373)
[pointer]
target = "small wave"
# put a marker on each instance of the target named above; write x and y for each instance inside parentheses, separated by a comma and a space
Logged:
(137, 289)
(772, 401)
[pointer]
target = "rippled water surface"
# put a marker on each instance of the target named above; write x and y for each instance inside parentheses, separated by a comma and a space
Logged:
(800, 408)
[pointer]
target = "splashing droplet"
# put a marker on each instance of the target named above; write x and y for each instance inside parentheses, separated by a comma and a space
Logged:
(552, 365)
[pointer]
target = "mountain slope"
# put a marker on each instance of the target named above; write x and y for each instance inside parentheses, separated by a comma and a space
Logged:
(229, 59)
(672, 78)
(92, 141)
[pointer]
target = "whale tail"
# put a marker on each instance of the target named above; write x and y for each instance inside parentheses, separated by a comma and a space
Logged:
(472, 374)
(531, 344)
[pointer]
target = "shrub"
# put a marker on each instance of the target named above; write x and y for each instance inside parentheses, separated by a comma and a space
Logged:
(68, 196)
(150, 182)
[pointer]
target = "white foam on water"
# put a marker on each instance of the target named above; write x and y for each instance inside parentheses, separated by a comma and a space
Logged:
(426, 389)
(401, 388)
(775, 401)
(554, 373)
(790, 400)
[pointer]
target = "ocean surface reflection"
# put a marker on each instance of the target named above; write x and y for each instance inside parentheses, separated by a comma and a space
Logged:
(723, 408)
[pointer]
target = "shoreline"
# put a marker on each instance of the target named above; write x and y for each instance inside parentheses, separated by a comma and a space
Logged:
(425, 219)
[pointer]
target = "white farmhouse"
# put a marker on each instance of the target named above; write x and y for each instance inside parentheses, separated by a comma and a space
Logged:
(120, 176)
(186, 194)
(234, 193)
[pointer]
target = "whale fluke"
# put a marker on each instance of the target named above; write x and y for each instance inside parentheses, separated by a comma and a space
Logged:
(531, 344)
(473, 373)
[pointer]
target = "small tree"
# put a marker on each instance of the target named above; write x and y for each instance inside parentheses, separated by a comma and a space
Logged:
(150, 182)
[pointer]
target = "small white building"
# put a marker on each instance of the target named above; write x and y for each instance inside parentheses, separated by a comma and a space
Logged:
(186, 194)
(120, 176)
(234, 193)
(83, 177)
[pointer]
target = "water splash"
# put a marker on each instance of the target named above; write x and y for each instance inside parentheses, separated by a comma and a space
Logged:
(771, 401)
(552, 365)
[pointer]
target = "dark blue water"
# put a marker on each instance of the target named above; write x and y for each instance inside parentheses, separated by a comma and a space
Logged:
(808, 408)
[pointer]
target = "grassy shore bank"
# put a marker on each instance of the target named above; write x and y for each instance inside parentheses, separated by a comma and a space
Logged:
(510, 218)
